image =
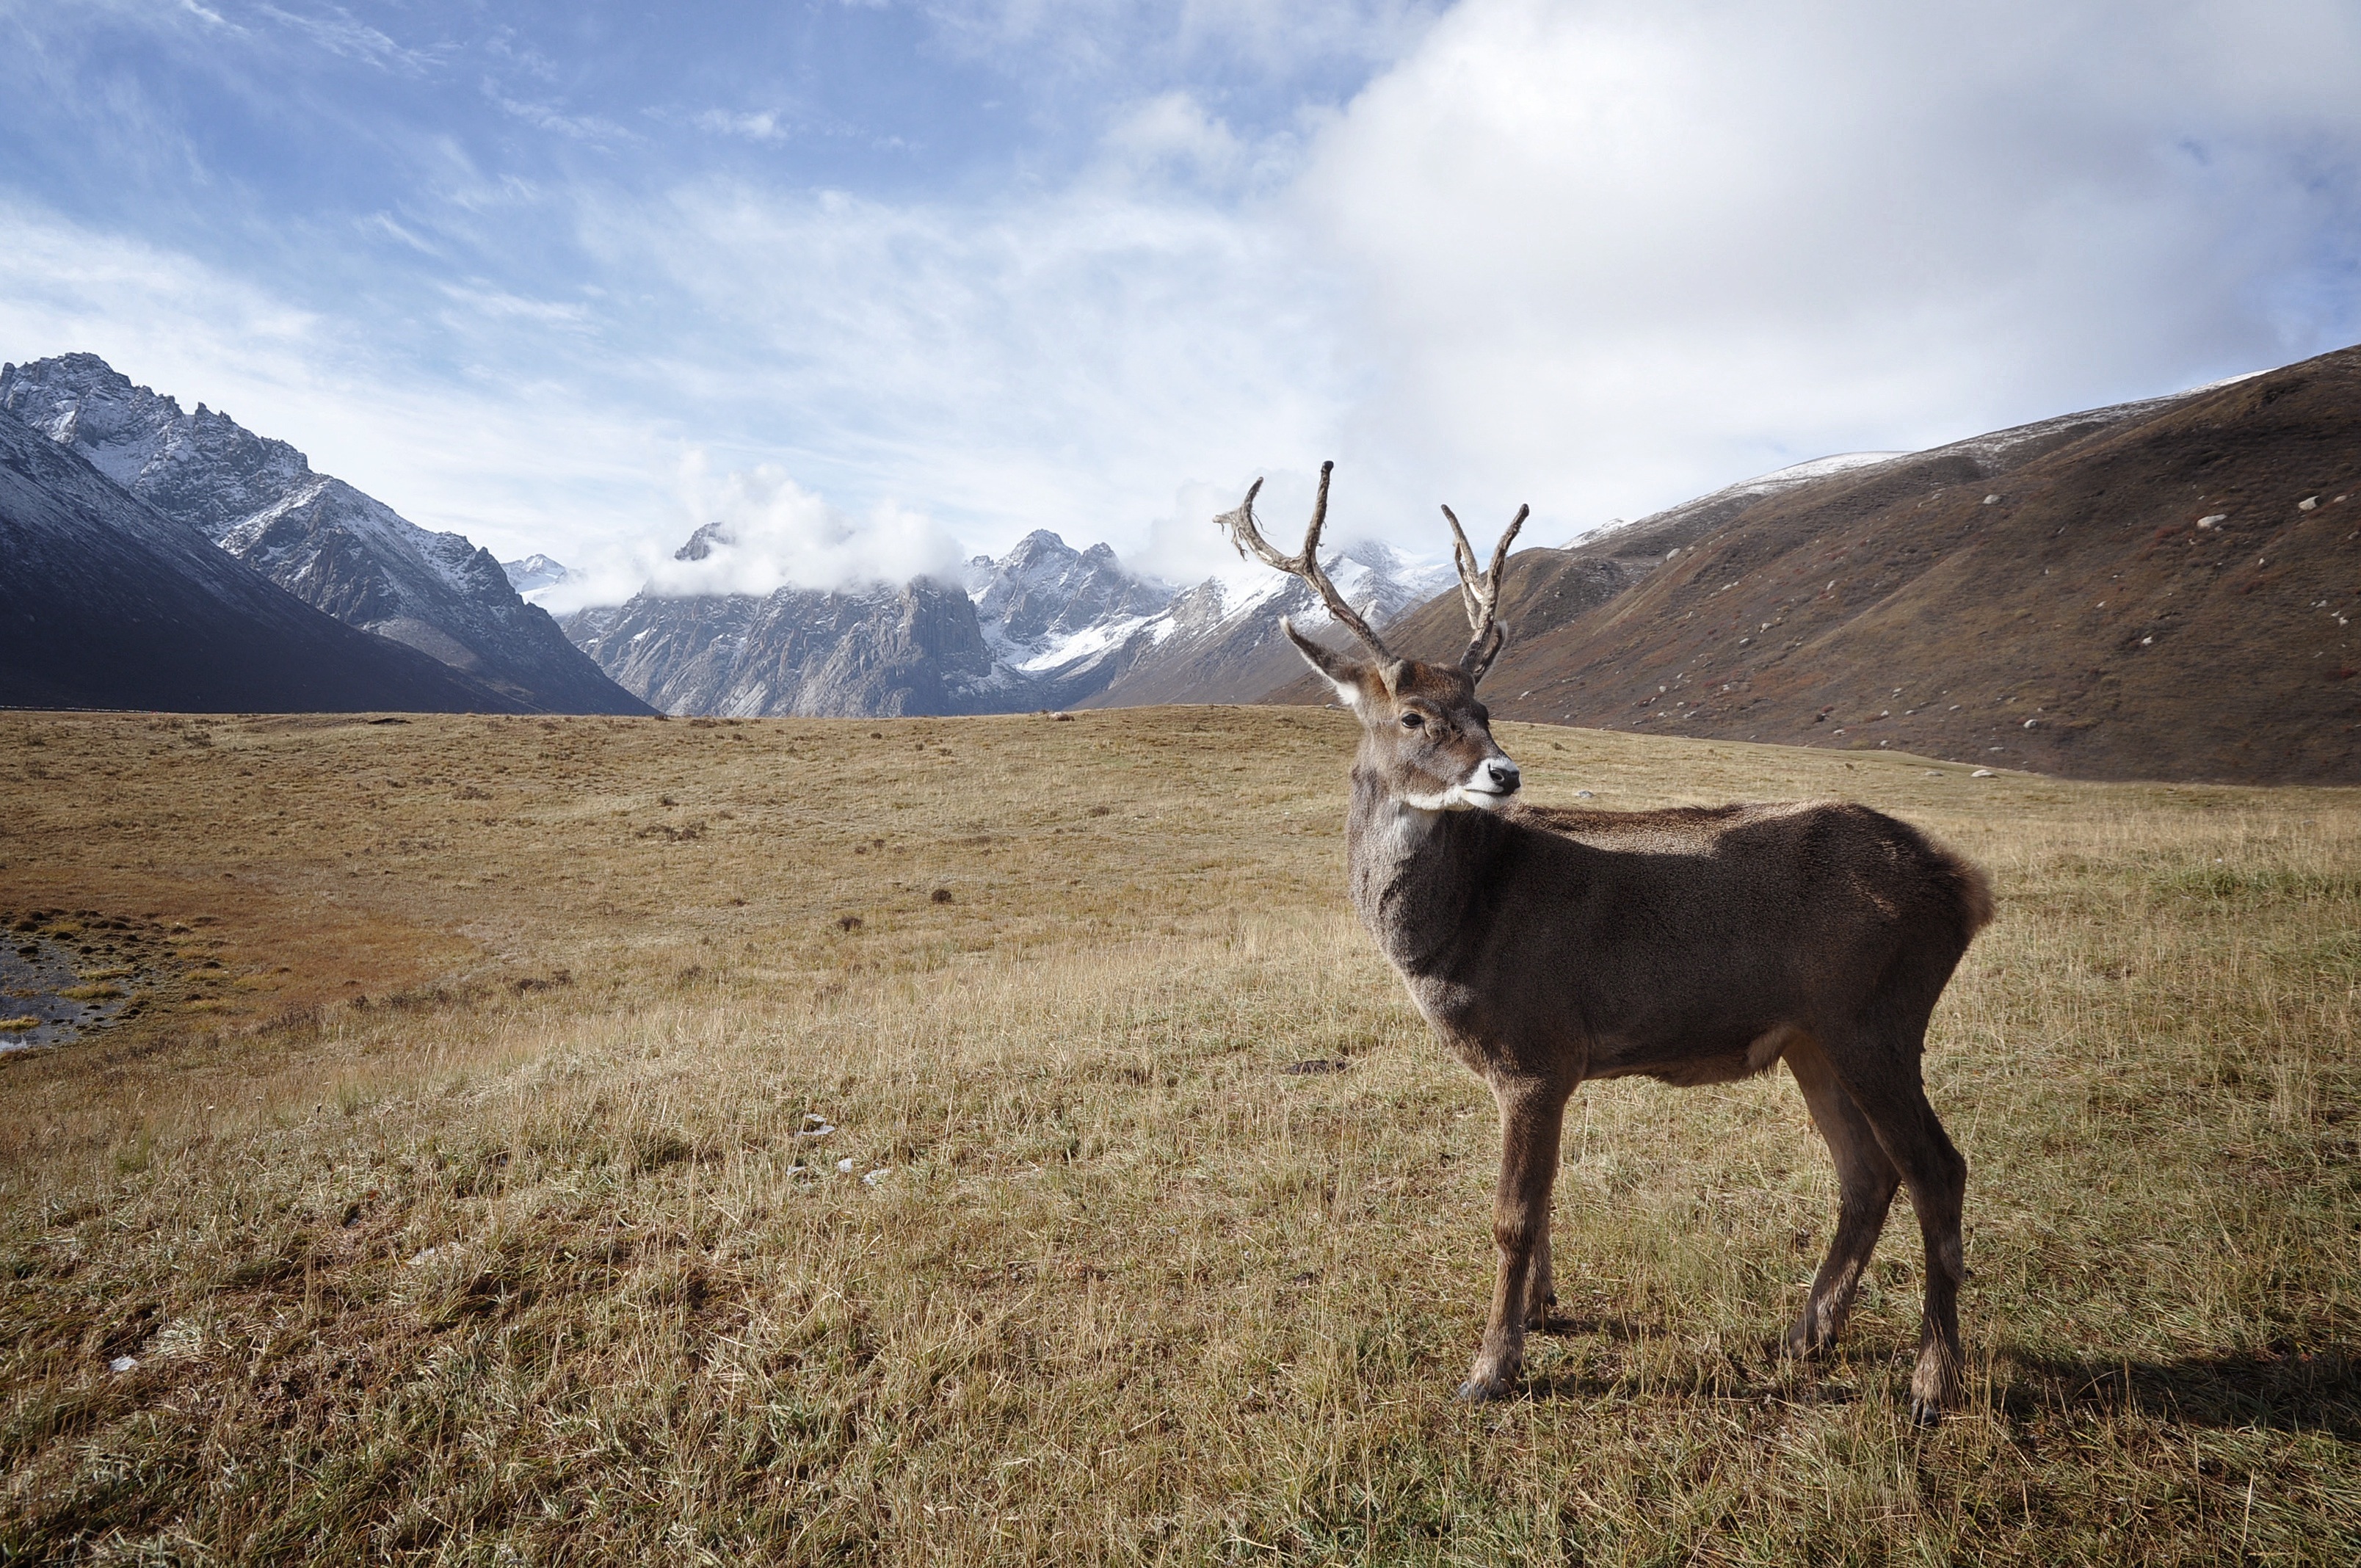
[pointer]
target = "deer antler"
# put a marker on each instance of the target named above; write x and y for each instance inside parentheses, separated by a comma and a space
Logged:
(1481, 594)
(1240, 525)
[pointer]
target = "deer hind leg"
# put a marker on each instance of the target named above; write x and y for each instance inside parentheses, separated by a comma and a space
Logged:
(1895, 1101)
(1532, 1115)
(1540, 1288)
(1866, 1181)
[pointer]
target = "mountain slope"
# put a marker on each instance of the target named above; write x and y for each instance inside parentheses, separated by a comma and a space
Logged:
(105, 602)
(2139, 591)
(326, 542)
(1219, 643)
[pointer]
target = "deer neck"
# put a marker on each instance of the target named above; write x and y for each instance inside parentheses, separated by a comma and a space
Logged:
(1418, 875)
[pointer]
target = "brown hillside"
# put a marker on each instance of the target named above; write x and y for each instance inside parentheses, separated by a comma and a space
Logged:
(2088, 621)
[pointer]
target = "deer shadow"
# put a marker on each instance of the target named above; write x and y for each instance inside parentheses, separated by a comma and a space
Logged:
(2276, 1389)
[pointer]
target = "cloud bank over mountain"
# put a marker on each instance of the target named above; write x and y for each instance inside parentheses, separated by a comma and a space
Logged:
(974, 270)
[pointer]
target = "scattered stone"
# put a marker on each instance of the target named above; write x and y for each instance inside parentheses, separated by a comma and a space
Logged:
(121, 1364)
(2216, 521)
(874, 1177)
(845, 1166)
(2031, 722)
(1991, 501)
(1983, 774)
(1584, 794)
(2307, 503)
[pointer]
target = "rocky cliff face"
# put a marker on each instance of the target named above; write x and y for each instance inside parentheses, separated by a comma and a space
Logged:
(883, 652)
(332, 546)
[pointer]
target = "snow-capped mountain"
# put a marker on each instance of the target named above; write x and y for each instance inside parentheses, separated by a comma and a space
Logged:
(534, 574)
(326, 542)
(106, 602)
(1044, 626)
(1039, 629)
(1220, 641)
(1045, 604)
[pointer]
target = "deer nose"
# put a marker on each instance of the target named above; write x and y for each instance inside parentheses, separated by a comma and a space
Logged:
(1504, 774)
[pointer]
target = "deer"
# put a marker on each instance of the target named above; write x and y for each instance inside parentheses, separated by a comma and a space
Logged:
(1547, 946)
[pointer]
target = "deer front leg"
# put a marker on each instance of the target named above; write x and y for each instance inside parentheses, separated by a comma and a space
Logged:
(1530, 1116)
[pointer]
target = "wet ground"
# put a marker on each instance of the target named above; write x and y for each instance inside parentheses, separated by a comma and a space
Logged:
(62, 977)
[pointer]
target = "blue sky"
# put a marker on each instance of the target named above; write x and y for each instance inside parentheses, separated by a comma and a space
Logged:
(890, 282)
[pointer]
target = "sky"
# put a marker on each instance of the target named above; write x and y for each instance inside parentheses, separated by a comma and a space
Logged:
(885, 284)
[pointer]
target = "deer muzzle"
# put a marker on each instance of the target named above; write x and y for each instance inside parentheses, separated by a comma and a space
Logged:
(1487, 785)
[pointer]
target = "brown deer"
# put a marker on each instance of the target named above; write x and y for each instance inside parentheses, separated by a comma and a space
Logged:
(1694, 945)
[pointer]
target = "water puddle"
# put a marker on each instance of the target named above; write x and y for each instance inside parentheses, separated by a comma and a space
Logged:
(62, 978)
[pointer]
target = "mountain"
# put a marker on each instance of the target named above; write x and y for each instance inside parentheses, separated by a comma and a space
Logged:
(1042, 627)
(1219, 642)
(532, 574)
(326, 542)
(881, 652)
(1045, 626)
(2158, 589)
(1048, 609)
(106, 602)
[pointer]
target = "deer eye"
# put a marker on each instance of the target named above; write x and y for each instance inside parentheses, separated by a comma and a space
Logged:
(1413, 722)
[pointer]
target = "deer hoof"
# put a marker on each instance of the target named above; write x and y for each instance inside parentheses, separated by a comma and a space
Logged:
(1801, 1343)
(1487, 1391)
(1929, 1397)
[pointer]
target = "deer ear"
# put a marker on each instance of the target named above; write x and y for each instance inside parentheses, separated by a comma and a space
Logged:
(1342, 673)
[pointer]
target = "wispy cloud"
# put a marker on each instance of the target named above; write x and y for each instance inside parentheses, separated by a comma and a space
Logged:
(549, 117)
(753, 126)
(1125, 258)
(338, 31)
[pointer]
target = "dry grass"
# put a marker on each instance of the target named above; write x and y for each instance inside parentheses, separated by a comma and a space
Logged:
(451, 1204)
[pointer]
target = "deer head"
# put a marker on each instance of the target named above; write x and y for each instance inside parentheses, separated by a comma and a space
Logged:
(1423, 732)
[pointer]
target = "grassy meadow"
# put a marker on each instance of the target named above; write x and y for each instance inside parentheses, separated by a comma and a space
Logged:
(601, 1140)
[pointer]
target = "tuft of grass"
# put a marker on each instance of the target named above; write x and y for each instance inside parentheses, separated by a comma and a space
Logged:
(1178, 1240)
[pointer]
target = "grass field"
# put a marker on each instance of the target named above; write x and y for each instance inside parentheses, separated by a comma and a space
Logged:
(450, 1197)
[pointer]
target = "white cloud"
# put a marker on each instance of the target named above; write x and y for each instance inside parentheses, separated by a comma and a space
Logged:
(513, 459)
(1608, 256)
(1060, 360)
(1596, 257)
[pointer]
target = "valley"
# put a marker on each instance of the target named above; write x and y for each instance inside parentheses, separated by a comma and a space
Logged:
(791, 1140)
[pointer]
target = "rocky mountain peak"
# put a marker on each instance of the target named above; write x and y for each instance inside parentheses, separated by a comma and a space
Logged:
(534, 573)
(702, 543)
(203, 468)
(329, 545)
(1044, 593)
